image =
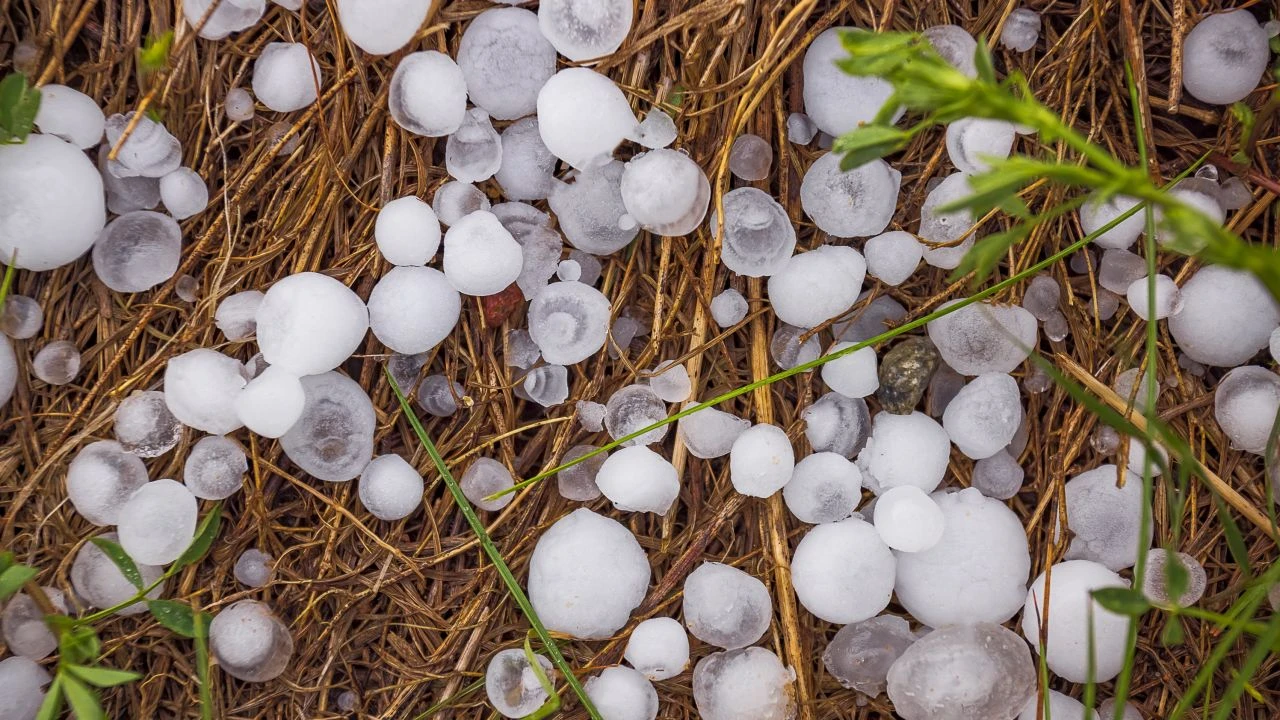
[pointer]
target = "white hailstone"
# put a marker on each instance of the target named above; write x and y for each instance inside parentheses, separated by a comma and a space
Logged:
(665, 192)
(200, 389)
(582, 116)
(1104, 519)
(955, 45)
(904, 450)
(850, 203)
(908, 520)
(24, 629)
(729, 307)
(746, 684)
(381, 27)
(578, 482)
(587, 573)
(390, 489)
(237, 314)
(527, 168)
(585, 31)
(1021, 30)
(483, 478)
(1224, 56)
(800, 129)
(1056, 705)
(591, 415)
(1168, 297)
(758, 236)
(637, 479)
(1227, 316)
(842, 571)
(57, 363)
(230, 16)
(540, 251)
(839, 424)
(8, 370)
(158, 522)
(97, 580)
(945, 229)
(982, 338)
(710, 433)
(22, 687)
(137, 251)
(407, 231)
(658, 648)
(634, 407)
(184, 193)
(480, 256)
(984, 416)
(853, 375)
(333, 438)
(973, 142)
(590, 210)
(149, 151)
(726, 607)
(21, 317)
(1201, 194)
(670, 382)
(455, 200)
(999, 476)
(872, 320)
(569, 321)
(1096, 212)
(513, 688)
(71, 115)
(438, 395)
(835, 101)
(657, 130)
(978, 670)
(215, 468)
(310, 323)
(815, 286)
(44, 230)
(761, 461)
(249, 642)
(1107, 710)
(1155, 581)
(621, 693)
(824, 487)
(285, 76)
(238, 105)
(522, 351)
(1078, 625)
(101, 479)
(473, 153)
(568, 271)
(861, 653)
(1118, 269)
(428, 94)
(893, 256)
(271, 403)
(1138, 459)
(1245, 405)
(413, 309)
(750, 158)
(144, 426)
(254, 568)
(505, 61)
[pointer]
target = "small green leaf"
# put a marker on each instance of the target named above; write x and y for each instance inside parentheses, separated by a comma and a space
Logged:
(983, 62)
(52, 705)
(122, 560)
(102, 677)
(206, 532)
(7, 559)
(1122, 600)
(869, 142)
(83, 700)
(1275, 44)
(79, 645)
(1171, 635)
(19, 103)
(154, 53)
(12, 579)
(174, 615)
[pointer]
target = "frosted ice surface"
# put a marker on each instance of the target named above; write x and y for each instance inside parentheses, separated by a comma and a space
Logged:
(126, 194)
(254, 568)
(788, 351)
(824, 487)
(184, 193)
(1105, 519)
(238, 104)
(271, 403)
(983, 417)
(671, 383)
(750, 158)
(591, 415)
(1234, 194)
(892, 257)
(540, 251)
(428, 95)
(746, 684)
(455, 200)
(390, 489)
(215, 468)
(961, 673)
(310, 323)
(439, 396)
(473, 153)
(728, 308)
(413, 309)
(947, 228)
(904, 450)
(1071, 614)
(835, 101)
(589, 266)
(758, 236)
(407, 231)
(22, 687)
(513, 688)
(657, 130)
(585, 29)
(590, 208)
(144, 426)
(578, 482)
(816, 286)
(505, 61)
(21, 318)
(982, 337)
(907, 519)
(1168, 297)
(999, 476)
(200, 388)
(569, 322)
(658, 648)
(800, 129)
(838, 424)
(285, 77)
(850, 203)
(637, 479)
(623, 331)
(726, 607)
(1227, 316)
(853, 375)
(1021, 30)
(1155, 581)
(45, 229)
(230, 16)
(526, 171)
(100, 584)
(1095, 213)
(137, 251)
(621, 693)
(24, 628)
(761, 461)
(972, 143)
(568, 270)
(149, 151)
(57, 363)
(249, 642)
(1245, 405)
(1057, 705)
(631, 408)
(955, 45)
(665, 192)
(1042, 296)
(710, 433)
(480, 256)
(1107, 710)
(158, 522)
(483, 478)
(582, 117)
(522, 351)
(842, 571)
(861, 653)
(101, 479)
(333, 440)
(380, 27)
(547, 385)
(187, 288)
(8, 370)
(71, 115)
(237, 314)
(1224, 56)
(871, 319)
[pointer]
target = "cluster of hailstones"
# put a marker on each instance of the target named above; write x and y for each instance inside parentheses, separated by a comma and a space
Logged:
(956, 559)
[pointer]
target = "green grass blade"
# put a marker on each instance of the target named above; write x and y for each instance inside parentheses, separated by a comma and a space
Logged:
(203, 688)
(451, 700)
(10, 272)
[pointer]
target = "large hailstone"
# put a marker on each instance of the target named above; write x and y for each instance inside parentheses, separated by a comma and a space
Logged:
(158, 522)
(1227, 316)
(984, 416)
(850, 203)
(428, 94)
(1245, 406)
(726, 607)
(250, 642)
(407, 231)
(977, 671)
(582, 117)
(758, 236)
(71, 115)
(589, 210)
(137, 251)
(981, 337)
(480, 256)
(1105, 520)
(271, 403)
(861, 653)
(200, 389)
(98, 581)
(824, 487)
(843, 572)
(231, 16)
(40, 229)
(285, 77)
(381, 27)
(818, 285)
(585, 30)
(665, 192)
(836, 101)
(1223, 57)
(505, 61)
(569, 321)
(637, 479)
(1072, 613)
(904, 450)
(413, 309)
(586, 575)
(309, 323)
(101, 479)
(333, 438)
(761, 461)
(746, 684)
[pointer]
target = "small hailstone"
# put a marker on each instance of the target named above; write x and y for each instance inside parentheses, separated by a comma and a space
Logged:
(413, 309)
(144, 426)
(582, 116)
(310, 323)
(540, 251)
(758, 236)
(187, 288)
(547, 385)
(907, 519)
(839, 424)
(657, 130)
(271, 403)
(254, 568)
(1104, 519)
(407, 231)
(1227, 316)
(955, 45)
(591, 415)
(184, 193)
(1056, 705)
(658, 648)
(858, 202)
(25, 631)
(588, 265)
(670, 382)
(137, 251)
(621, 693)
(390, 489)
(982, 337)
(483, 478)
(237, 314)
(428, 95)
(726, 607)
(8, 370)
(824, 487)
(861, 653)
(229, 16)
(249, 642)
(750, 158)
(634, 407)
(835, 101)
(1105, 440)
(380, 27)
(728, 308)
(578, 482)
(800, 129)
(786, 349)
(853, 375)
(1234, 194)
(585, 31)
(1042, 296)
(522, 352)
(285, 76)
(1155, 581)
(455, 200)
(238, 104)
(513, 688)
(505, 60)
(473, 153)
(1119, 269)
(348, 701)
(438, 395)
(200, 388)
(1107, 710)
(71, 115)
(527, 166)
(665, 192)
(710, 433)
(1107, 304)
(998, 476)
(904, 450)
(568, 271)
(1245, 405)
(976, 670)
(215, 468)
(746, 684)
(1095, 213)
(1139, 459)
(589, 210)
(892, 257)
(624, 330)
(279, 130)
(101, 479)
(1056, 328)
(842, 571)
(57, 363)
(1021, 30)
(983, 417)
(637, 479)
(972, 142)
(587, 573)
(480, 257)
(22, 686)
(815, 286)
(1168, 297)
(98, 581)
(1224, 56)
(569, 322)
(333, 439)
(761, 461)
(21, 318)
(1077, 625)
(150, 150)
(945, 229)
(158, 522)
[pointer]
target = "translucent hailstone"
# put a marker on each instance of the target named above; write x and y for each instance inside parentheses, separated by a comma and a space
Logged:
(310, 323)
(473, 153)
(1155, 581)
(71, 115)
(658, 648)
(527, 167)
(955, 45)
(480, 256)
(787, 350)
(568, 271)
(815, 286)
(184, 193)
(428, 94)
(589, 210)
(586, 575)
(750, 158)
(998, 476)
(158, 522)
(254, 568)
(582, 117)
(1077, 625)
(21, 317)
(24, 629)
(710, 433)
(187, 288)
(729, 307)
(1104, 519)
(149, 151)
(390, 489)
(1042, 296)
(861, 653)
(57, 363)
(623, 331)
(237, 314)
(282, 134)
(505, 60)
(907, 519)
(413, 309)
(1234, 194)
(1245, 405)
(904, 450)
(578, 482)
(634, 407)
(455, 200)
(483, 478)
(670, 382)
(569, 321)
(746, 684)
(761, 461)
(665, 192)
(978, 670)
(983, 417)
(137, 251)
(249, 642)
(271, 403)
(982, 337)
(1107, 710)
(333, 439)
(621, 693)
(1056, 705)
(637, 479)
(1227, 316)
(101, 479)
(127, 194)
(8, 370)
(99, 583)
(22, 687)
(1096, 213)
(522, 352)
(585, 31)
(381, 27)
(945, 229)
(853, 375)
(439, 396)
(407, 231)
(285, 77)
(215, 468)
(839, 424)
(547, 385)
(1168, 297)
(513, 688)
(657, 130)
(973, 142)
(1021, 30)
(1223, 57)
(200, 389)
(230, 16)
(726, 607)
(850, 203)
(824, 487)
(144, 426)
(835, 101)
(238, 104)
(1119, 269)
(758, 236)
(540, 251)
(45, 230)
(892, 257)
(842, 571)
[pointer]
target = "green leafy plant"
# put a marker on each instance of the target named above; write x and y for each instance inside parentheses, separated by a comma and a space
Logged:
(154, 53)
(19, 103)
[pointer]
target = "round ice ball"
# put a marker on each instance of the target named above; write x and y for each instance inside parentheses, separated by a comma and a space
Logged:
(982, 337)
(43, 230)
(904, 450)
(137, 251)
(1077, 624)
(824, 487)
(1224, 56)
(908, 520)
(978, 670)
(505, 61)
(637, 479)
(412, 309)
(483, 478)
(621, 693)
(893, 256)
(381, 27)
(582, 117)
(309, 323)
(658, 648)
(480, 255)
(215, 468)
(1227, 316)
(1105, 520)
(271, 403)
(1155, 581)
(230, 16)
(858, 202)
(972, 141)
(144, 425)
(250, 642)
(861, 653)
(285, 76)
(390, 489)
(569, 321)
(834, 100)
(513, 688)
(407, 231)
(101, 479)
(843, 572)
(726, 607)
(665, 192)
(853, 375)
(818, 285)
(254, 568)
(1096, 213)
(22, 683)
(758, 235)
(746, 684)
(158, 522)
(71, 115)
(584, 31)
(984, 416)
(200, 389)
(1245, 405)
(761, 461)
(98, 581)
(428, 94)
(184, 193)
(333, 438)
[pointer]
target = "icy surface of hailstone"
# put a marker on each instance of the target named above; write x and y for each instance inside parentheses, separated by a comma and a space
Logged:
(1168, 298)
(254, 568)
(621, 693)
(21, 318)
(505, 60)
(1245, 406)
(428, 94)
(729, 307)
(186, 288)
(634, 407)
(250, 642)
(582, 117)
(657, 130)
(824, 487)
(285, 77)
(1223, 57)
(1057, 705)
(861, 653)
(853, 375)
(1234, 194)
(238, 105)
(907, 519)
(333, 439)
(473, 153)
(999, 476)
(455, 200)
(1227, 316)
(568, 271)
(1155, 581)
(137, 251)
(843, 572)
(850, 203)
(815, 286)
(964, 672)
(158, 522)
(407, 231)
(983, 417)
(144, 426)
(480, 256)
(1072, 611)
(904, 450)
(215, 468)
(982, 338)
(569, 321)
(589, 210)
(1119, 269)
(578, 482)
(947, 227)
(637, 479)
(149, 151)
(955, 45)
(665, 192)
(438, 395)
(671, 382)
(101, 479)
(71, 115)
(184, 193)
(526, 171)
(413, 309)
(710, 433)
(1107, 710)
(1095, 213)
(57, 363)
(271, 403)
(231, 16)
(1042, 296)
(586, 575)
(761, 461)
(750, 158)
(390, 489)
(513, 688)
(278, 132)
(310, 323)
(835, 101)
(540, 251)
(1105, 519)
(893, 256)
(1021, 30)
(48, 229)
(973, 142)
(22, 687)
(24, 629)
(726, 607)
(200, 389)
(871, 320)
(758, 236)
(8, 370)
(547, 385)
(97, 580)
(522, 351)
(585, 30)
(746, 684)
(380, 27)
(483, 478)
(237, 314)
(658, 648)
